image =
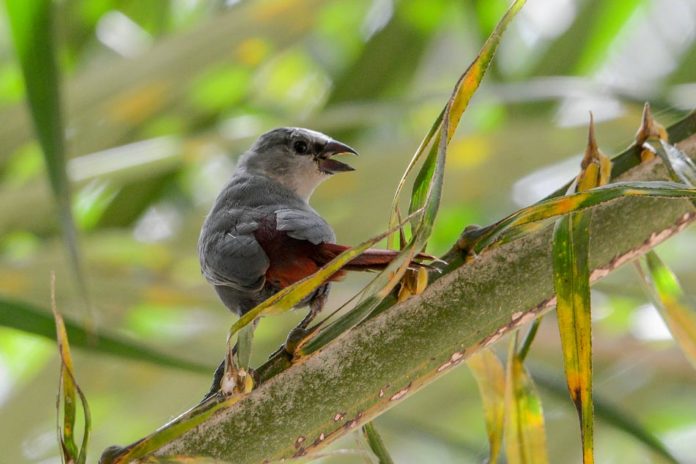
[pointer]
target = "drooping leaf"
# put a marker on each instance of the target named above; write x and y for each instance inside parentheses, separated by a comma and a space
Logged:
(376, 444)
(678, 312)
(32, 27)
(571, 274)
(30, 319)
(525, 435)
(571, 277)
(490, 377)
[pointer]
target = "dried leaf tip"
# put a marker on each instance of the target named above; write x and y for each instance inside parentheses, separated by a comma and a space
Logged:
(595, 166)
(592, 150)
(650, 128)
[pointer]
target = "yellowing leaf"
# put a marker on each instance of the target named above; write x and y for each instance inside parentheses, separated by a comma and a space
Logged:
(571, 274)
(571, 277)
(68, 391)
(525, 435)
(490, 377)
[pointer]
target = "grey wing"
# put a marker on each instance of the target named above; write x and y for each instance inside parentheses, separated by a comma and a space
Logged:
(304, 225)
(230, 255)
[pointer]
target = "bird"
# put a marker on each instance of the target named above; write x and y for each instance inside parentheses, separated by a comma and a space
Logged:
(261, 234)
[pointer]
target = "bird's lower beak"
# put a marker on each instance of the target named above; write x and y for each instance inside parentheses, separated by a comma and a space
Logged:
(329, 165)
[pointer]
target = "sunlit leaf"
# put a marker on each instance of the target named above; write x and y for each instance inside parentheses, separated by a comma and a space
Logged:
(32, 27)
(525, 435)
(490, 377)
(68, 392)
(30, 319)
(678, 312)
(374, 440)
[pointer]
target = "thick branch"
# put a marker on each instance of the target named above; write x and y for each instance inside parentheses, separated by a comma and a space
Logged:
(389, 357)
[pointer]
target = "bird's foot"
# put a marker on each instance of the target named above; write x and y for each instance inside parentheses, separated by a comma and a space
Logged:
(295, 339)
(236, 382)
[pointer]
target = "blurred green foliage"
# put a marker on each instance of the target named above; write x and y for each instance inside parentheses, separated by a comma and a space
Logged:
(161, 96)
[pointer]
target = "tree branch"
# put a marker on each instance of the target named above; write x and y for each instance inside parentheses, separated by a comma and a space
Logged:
(389, 357)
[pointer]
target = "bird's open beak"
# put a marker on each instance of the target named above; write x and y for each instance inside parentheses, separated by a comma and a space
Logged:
(329, 165)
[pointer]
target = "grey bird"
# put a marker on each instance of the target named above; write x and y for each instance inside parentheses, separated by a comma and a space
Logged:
(262, 235)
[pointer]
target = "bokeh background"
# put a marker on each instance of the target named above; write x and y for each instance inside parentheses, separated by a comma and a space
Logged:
(162, 95)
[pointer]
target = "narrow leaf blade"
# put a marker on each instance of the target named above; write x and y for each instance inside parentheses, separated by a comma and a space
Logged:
(572, 284)
(28, 318)
(679, 314)
(32, 26)
(376, 444)
(525, 434)
(490, 377)
(70, 391)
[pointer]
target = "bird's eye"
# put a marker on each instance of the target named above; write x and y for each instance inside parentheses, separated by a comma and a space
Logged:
(300, 147)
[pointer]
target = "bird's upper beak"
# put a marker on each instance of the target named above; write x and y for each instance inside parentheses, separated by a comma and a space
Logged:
(329, 165)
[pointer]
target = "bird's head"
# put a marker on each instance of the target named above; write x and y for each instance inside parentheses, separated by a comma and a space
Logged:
(300, 159)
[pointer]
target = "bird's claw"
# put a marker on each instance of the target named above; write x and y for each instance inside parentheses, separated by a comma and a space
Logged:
(294, 339)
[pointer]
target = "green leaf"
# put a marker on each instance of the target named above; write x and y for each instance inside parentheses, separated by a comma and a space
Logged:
(679, 313)
(571, 239)
(32, 26)
(490, 377)
(525, 435)
(31, 319)
(374, 440)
